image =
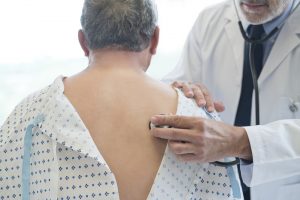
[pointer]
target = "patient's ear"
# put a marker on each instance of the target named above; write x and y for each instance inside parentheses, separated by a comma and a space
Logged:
(83, 43)
(154, 41)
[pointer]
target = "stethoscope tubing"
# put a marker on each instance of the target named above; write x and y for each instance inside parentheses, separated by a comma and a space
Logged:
(255, 82)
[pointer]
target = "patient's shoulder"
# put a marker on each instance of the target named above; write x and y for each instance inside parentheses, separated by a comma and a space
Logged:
(26, 111)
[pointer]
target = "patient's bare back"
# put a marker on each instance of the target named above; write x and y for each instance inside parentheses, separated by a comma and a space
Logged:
(117, 110)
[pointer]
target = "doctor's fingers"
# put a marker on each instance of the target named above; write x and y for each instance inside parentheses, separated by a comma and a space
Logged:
(191, 90)
(199, 96)
(180, 148)
(186, 88)
(176, 121)
(188, 151)
(183, 135)
(205, 94)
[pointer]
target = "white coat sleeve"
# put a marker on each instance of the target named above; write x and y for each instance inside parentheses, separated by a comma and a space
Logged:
(188, 69)
(276, 152)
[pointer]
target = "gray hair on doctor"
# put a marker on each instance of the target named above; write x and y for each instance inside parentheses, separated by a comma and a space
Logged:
(120, 24)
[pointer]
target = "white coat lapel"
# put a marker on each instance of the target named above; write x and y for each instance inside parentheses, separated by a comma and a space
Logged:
(237, 43)
(287, 40)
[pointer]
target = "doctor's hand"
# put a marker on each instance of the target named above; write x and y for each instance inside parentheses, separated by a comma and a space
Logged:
(201, 95)
(202, 140)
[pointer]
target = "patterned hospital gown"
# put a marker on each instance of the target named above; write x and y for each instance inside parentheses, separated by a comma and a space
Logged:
(46, 152)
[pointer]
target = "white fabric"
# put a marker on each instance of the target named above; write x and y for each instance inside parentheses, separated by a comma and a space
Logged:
(66, 164)
(213, 55)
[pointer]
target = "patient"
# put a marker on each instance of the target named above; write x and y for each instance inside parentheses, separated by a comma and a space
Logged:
(87, 136)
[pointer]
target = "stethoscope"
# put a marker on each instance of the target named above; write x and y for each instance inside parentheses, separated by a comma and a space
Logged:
(252, 42)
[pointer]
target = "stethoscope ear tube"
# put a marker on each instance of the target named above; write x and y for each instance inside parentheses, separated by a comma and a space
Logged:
(255, 82)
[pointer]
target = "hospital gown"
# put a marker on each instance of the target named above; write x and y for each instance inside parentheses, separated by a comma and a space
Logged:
(46, 152)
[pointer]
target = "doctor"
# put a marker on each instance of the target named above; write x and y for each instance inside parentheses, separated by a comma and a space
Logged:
(216, 55)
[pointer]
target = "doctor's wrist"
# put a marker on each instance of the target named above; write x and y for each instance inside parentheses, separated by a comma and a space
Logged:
(242, 144)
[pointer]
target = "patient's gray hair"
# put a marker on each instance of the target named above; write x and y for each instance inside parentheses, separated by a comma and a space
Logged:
(122, 24)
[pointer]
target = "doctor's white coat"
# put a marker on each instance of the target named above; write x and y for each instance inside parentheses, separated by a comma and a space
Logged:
(213, 55)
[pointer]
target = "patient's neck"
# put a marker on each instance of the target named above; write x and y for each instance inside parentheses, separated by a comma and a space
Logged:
(111, 59)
